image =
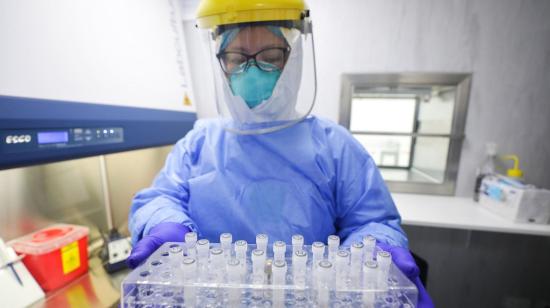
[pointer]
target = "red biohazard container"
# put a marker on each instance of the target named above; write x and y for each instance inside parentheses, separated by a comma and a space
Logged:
(55, 255)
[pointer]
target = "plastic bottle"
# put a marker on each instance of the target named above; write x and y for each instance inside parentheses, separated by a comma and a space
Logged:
(488, 167)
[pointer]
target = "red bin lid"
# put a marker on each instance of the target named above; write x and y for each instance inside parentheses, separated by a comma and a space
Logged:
(48, 239)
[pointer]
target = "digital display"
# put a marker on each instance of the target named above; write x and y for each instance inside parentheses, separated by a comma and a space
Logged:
(53, 137)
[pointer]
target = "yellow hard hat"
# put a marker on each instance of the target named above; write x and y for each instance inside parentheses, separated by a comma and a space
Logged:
(213, 13)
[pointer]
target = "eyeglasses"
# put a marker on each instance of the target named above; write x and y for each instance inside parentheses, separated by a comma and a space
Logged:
(267, 60)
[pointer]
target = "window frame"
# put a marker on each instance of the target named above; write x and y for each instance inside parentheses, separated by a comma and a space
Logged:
(353, 83)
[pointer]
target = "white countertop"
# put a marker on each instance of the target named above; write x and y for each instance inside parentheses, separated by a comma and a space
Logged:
(458, 213)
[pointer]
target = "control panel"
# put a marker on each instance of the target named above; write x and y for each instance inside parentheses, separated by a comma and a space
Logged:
(18, 141)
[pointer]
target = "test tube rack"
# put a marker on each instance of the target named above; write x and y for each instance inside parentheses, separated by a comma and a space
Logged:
(226, 274)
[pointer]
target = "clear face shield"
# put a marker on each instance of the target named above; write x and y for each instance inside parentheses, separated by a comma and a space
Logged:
(265, 75)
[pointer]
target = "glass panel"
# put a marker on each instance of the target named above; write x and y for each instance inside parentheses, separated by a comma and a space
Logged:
(435, 115)
(430, 158)
(389, 151)
(35, 197)
(393, 115)
(428, 164)
(71, 192)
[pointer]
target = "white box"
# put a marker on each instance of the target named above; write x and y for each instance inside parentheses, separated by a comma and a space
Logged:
(515, 201)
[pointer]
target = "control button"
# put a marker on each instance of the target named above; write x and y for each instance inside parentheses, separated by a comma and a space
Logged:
(21, 138)
(28, 138)
(8, 139)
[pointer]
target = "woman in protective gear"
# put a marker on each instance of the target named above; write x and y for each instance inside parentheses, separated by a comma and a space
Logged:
(267, 165)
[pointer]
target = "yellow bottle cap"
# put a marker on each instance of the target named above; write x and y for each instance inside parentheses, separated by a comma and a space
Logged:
(514, 172)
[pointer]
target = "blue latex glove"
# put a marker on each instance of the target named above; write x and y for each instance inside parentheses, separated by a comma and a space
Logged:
(403, 259)
(158, 235)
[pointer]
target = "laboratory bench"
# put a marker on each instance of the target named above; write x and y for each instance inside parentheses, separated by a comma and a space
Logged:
(458, 213)
(96, 288)
(474, 257)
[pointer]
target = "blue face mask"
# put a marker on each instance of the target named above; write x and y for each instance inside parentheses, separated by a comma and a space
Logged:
(254, 85)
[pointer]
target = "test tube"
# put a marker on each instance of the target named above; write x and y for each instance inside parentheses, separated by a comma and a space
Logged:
(297, 242)
(356, 262)
(190, 243)
(225, 240)
(258, 260)
(279, 249)
(318, 250)
(241, 246)
(267, 268)
(189, 268)
(325, 271)
(279, 270)
(370, 243)
(342, 261)
(370, 269)
(261, 242)
(176, 254)
(383, 258)
(233, 271)
(299, 261)
(356, 256)
(258, 266)
(217, 265)
(234, 278)
(203, 248)
(333, 246)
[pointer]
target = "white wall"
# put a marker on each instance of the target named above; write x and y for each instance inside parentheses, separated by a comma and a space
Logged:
(120, 52)
(505, 44)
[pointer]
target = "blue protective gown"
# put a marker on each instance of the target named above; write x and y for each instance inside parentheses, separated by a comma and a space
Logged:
(312, 178)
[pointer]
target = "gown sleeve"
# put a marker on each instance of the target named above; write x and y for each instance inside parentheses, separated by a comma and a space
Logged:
(168, 197)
